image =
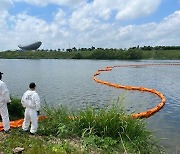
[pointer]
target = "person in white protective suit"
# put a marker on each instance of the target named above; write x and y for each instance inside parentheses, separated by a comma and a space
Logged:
(31, 102)
(4, 99)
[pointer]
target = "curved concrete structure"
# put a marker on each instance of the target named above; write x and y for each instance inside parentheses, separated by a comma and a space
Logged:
(33, 46)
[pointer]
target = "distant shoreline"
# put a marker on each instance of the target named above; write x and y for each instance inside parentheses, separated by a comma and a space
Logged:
(97, 54)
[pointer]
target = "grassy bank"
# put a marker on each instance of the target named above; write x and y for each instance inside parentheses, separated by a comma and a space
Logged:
(120, 54)
(107, 130)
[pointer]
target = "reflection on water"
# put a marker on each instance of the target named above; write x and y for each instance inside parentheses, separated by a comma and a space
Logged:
(69, 82)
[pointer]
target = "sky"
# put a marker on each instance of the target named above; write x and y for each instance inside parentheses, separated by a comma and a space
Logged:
(62, 24)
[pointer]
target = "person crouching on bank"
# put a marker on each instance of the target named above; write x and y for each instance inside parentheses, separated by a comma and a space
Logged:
(31, 102)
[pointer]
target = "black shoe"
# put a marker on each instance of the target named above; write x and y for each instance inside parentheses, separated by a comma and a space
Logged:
(32, 133)
(7, 131)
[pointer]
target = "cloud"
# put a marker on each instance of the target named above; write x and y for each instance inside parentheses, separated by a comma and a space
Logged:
(60, 17)
(139, 8)
(112, 35)
(88, 26)
(124, 9)
(72, 3)
(4, 6)
(97, 11)
(28, 29)
(83, 19)
(168, 30)
(164, 33)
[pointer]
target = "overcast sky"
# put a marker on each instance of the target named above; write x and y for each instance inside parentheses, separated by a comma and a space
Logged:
(85, 23)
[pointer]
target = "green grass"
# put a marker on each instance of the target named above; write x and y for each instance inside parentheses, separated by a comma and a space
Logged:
(161, 54)
(107, 130)
(34, 144)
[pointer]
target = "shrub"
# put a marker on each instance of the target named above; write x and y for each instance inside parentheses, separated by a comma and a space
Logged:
(15, 108)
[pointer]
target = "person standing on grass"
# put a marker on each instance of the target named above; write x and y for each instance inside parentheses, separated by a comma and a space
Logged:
(31, 102)
(4, 99)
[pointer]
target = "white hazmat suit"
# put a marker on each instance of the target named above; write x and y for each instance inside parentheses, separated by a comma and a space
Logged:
(31, 102)
(4, 99)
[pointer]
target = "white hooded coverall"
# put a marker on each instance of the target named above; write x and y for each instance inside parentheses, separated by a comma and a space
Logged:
(4, 99)
(31, 102)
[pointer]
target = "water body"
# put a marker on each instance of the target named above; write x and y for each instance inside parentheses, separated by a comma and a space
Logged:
(70, 83)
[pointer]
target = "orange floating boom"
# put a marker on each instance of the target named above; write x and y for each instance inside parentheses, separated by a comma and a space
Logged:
(19, 122)
(144, 114)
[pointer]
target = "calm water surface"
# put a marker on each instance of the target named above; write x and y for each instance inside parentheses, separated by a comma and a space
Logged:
(69, 82)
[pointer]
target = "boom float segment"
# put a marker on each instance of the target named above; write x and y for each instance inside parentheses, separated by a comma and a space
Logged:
(148, 112)
(19, 122)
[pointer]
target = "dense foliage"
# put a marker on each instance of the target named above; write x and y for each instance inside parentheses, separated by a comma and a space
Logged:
(134, 53)
(15, 108)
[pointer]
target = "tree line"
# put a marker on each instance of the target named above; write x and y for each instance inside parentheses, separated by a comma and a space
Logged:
(133, 53)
